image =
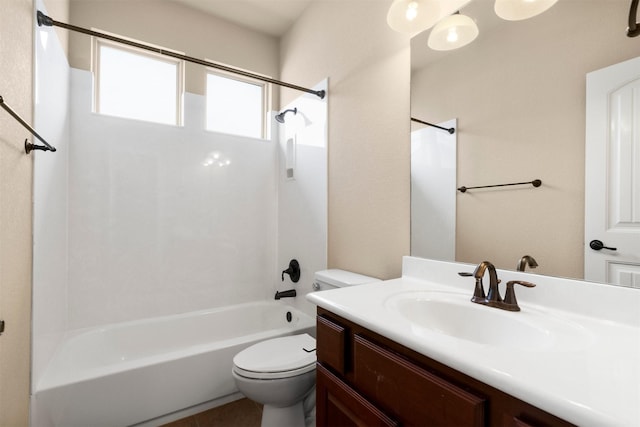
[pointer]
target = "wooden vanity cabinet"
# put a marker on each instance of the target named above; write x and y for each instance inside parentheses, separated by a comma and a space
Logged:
(364, 380)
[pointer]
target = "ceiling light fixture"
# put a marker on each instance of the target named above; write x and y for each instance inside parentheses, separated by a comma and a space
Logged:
(453, 32)
(413, 16)
(516, 10)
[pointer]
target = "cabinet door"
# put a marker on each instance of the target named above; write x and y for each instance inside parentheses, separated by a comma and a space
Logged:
(337, 405)
(331, 341)
(413, 395)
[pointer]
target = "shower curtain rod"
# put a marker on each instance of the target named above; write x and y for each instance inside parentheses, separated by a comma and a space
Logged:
(48, 21)
(28, 147)
(450, 130)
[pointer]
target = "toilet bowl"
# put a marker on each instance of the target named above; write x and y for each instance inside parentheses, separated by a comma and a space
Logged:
(280, 372)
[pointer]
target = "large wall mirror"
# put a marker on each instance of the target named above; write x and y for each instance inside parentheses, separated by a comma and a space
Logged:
(518, 94)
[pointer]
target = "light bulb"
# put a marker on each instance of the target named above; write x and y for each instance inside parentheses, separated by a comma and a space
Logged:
(453, 32)
(412, 11)
(452, 35)
(413, 16)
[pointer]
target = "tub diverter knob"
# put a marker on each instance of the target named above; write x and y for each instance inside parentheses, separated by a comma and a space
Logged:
(293, 271)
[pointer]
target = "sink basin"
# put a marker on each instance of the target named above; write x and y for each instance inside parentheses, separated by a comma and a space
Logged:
(454, 315)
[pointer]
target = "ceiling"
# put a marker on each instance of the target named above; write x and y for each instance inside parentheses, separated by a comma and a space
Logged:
(272, 17)
(275, 17)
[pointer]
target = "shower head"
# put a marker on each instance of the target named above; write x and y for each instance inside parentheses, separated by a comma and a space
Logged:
(280, 116)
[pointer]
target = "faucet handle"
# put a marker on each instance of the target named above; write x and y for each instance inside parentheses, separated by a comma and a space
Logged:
(510, 296)
(521, 282)
(293, 271)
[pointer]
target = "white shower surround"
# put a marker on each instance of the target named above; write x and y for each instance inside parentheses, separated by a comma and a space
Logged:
(302, 201)
(50, 199)
(153, 230)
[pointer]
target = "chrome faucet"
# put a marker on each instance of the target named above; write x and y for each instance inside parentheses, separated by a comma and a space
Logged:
(493, 298)
(526, 260)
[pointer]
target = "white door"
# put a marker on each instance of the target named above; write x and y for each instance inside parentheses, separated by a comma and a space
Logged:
(612, 175)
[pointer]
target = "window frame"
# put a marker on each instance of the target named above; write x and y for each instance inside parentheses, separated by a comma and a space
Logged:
(264, 104)
(98, 42)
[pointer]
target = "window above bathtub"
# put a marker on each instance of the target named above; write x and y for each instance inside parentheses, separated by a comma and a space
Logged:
(136, 84)
(236, 105)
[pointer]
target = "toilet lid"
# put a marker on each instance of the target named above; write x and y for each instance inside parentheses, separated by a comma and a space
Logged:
(277, 357)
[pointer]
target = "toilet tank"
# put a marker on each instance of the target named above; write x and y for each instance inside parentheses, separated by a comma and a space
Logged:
(335, 278)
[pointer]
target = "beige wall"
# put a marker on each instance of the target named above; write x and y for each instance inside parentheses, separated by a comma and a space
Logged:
(368, 67)
(519, 96)
(16, 64)
(173, 26)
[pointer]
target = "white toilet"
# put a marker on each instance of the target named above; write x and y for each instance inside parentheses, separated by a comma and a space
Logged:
(280, 372)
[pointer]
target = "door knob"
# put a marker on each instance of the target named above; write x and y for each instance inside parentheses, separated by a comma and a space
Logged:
(596, 245)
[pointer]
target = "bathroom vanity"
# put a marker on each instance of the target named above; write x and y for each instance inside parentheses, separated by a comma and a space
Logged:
(417, 351)
(365, 379)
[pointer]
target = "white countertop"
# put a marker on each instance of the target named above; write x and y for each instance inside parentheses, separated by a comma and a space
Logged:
(592, 382)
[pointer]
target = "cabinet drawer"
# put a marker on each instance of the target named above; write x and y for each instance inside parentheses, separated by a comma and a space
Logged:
(331, 341)
(510, 421)
(530, 416)
(411, 394)
(339, 405)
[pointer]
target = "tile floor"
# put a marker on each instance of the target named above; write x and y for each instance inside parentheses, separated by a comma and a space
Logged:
(240, 413)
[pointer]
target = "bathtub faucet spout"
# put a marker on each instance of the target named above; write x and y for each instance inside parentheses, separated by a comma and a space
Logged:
(286, 294)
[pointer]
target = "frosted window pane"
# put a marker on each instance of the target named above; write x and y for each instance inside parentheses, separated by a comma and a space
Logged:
(234, 106)
(137, 86)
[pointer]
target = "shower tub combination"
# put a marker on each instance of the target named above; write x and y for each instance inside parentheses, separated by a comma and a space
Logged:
(128, 373)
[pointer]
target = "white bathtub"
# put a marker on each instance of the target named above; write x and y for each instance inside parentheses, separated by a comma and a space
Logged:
(131, 372)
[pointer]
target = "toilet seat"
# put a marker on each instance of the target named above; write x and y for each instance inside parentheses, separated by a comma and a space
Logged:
(277, 358)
